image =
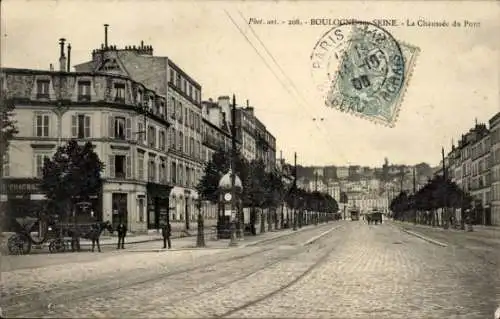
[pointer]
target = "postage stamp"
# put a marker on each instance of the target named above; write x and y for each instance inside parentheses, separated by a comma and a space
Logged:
(360, 68)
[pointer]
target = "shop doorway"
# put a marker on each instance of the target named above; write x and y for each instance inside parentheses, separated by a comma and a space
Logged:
(120, 213)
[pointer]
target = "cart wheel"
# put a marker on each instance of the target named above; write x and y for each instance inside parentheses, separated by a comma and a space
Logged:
(19, 244)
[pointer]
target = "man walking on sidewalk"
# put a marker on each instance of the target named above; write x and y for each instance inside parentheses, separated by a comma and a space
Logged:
(166, 232)
(122, 232)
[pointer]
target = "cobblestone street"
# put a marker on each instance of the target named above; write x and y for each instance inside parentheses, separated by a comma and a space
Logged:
(349, 270)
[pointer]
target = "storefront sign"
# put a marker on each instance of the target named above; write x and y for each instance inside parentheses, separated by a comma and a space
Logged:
(15, 188)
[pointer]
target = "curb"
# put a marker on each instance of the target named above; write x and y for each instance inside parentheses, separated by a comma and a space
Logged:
(427, 239)
(142, 241)
(162, 250)
(315, 238)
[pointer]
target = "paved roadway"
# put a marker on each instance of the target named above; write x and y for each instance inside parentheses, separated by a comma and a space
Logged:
(354, 271)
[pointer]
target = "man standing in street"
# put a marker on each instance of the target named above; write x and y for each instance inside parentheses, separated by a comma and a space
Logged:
(166, 232)
(122, 232)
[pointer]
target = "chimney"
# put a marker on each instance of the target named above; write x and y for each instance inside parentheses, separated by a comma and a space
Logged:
(51, 67)
(142, 44)
(106, 35)
(62, 57)
(248, 103)
(69, 58)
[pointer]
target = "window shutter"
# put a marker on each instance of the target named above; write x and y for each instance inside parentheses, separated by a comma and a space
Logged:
(35, 118)
(140, 132)
(87, 126)
(111, 126)
(128, 128)
(128, 164)
(74, 126)
(111, 161)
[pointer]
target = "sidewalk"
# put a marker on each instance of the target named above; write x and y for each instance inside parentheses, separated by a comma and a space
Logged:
(479, 235)
(189, 243)
(479, 229)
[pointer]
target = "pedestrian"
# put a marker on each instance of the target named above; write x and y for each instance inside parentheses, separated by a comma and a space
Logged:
(122, 232)
(166, 232)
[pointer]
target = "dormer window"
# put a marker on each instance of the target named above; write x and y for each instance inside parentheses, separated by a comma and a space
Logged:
(42, 89)
(120, 92)
(138, 97)
(84, 91)
(178, 82)
(161, 108)
(150, 103)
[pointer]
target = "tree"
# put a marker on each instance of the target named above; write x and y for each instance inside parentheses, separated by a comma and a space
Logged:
(256, 190)
(208, 187)
(72, 174)
(8, 127)
(8, 130)
(218, 166)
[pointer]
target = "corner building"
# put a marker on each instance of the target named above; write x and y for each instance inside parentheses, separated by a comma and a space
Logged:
(184, 163)
(128, 131)
(495, 168)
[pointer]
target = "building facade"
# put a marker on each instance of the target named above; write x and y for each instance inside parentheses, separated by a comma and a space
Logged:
(245, 132)
(54, 107)
(481, 175)
(183, 108)
(495, 168)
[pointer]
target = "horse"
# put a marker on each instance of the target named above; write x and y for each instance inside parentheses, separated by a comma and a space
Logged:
(368, 219)
(92, 234)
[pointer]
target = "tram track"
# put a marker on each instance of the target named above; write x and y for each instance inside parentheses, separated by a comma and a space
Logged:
(301, 276)
(20, 303)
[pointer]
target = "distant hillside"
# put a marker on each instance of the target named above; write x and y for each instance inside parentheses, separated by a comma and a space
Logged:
(355, 172)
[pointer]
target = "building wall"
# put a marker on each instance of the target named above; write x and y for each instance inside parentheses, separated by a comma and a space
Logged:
(114, 129)
(495, 168)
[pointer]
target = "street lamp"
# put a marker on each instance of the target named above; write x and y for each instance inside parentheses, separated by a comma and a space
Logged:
(187, 192)
(230, 186)
(200, 239)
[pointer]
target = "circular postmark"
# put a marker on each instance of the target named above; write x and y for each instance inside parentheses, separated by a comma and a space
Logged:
(359, 67)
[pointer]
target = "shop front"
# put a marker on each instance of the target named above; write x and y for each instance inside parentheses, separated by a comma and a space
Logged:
(158, 204)
(20, 197)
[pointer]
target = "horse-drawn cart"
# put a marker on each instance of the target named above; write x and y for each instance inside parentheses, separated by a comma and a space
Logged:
(22, 241)
(60, 237)
(374, 217)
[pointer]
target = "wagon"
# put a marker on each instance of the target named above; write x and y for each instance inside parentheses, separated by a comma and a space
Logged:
(374, 217)
(21, 242)
(354, 214)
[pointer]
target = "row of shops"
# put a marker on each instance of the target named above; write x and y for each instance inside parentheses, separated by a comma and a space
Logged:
(140, 206)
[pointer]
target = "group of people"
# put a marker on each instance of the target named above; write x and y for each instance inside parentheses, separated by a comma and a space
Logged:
(166, 233)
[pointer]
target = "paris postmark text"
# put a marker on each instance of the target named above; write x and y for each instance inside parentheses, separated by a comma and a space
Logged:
(360, 68)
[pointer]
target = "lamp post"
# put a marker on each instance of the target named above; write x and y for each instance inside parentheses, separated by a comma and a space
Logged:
(200, 239)
(187, 192)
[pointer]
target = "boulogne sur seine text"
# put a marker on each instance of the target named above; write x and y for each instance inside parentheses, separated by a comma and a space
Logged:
(382, 22)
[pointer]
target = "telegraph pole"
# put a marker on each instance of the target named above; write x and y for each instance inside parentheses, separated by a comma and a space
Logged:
(445, 209)
(295, 191)
(233, 241)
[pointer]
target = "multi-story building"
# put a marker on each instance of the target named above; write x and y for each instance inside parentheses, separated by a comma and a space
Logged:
(265, 145)
(183, 106)
(216, 130)
(245, 132)
(495, 168)
(480, 174)
(129, 134)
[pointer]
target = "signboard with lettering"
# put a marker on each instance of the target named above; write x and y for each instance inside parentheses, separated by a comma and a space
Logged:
(13, 188)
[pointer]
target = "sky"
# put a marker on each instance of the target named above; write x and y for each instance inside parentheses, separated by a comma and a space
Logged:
(454, 82)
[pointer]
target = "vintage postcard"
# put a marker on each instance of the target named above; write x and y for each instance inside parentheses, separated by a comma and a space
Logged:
(250, 159)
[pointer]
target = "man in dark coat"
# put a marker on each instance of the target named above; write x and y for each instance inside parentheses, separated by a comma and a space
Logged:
(122, 232)
(166, 232)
